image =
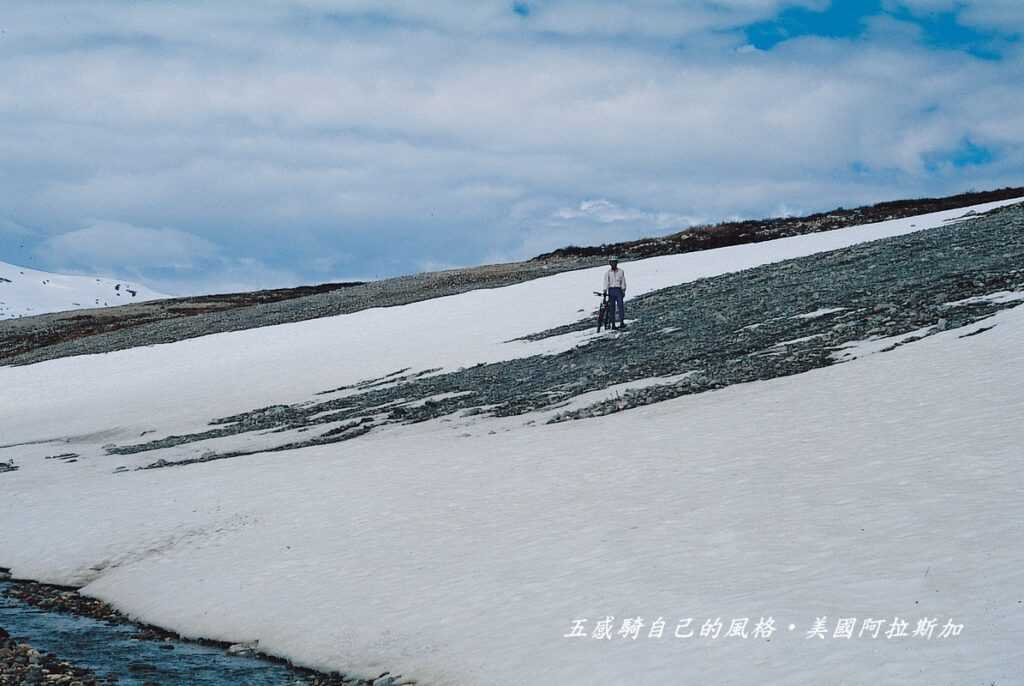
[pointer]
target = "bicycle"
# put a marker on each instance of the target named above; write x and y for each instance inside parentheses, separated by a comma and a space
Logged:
(605, 314)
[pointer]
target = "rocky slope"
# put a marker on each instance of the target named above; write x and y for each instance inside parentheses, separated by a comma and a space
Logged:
(53, 336)
(771, 321)
(757, 230)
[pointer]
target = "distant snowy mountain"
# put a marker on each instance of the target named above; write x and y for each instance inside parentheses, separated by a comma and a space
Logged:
(25, 292)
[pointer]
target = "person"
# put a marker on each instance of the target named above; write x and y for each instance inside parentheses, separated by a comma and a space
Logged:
(615, 289)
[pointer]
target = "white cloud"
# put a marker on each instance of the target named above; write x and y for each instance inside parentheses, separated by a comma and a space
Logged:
(1003, 16)
(398, 134)
(105, 245)
(227, 275)
(169, 260)
(607, 212)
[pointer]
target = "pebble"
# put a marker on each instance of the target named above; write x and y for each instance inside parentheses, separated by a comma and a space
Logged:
(20, 663)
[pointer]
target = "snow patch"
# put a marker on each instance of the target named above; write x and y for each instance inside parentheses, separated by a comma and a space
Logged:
(584, 400)
(795, 341)
(1000, 297)
(819, 313)
(870, 346)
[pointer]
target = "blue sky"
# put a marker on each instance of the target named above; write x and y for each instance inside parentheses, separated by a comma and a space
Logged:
(941, 26)
(220, 146)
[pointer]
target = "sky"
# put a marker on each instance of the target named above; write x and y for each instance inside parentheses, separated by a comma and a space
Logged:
(202, 147)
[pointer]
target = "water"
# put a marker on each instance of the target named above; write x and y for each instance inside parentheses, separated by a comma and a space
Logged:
(108, 649)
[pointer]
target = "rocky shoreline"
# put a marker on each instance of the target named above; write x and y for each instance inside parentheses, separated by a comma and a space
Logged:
(21, 664)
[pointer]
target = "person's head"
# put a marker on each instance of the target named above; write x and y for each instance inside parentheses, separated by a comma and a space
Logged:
(614, 262)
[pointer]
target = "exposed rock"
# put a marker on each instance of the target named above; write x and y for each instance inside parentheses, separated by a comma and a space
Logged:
(729, 329)
(20, 663)
(51, 336)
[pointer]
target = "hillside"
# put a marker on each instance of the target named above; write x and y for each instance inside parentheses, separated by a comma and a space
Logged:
(725, 234)
(27, 292)
(103, 329)
(817, 427)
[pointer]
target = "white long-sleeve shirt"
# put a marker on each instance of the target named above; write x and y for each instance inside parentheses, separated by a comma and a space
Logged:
(615, 278)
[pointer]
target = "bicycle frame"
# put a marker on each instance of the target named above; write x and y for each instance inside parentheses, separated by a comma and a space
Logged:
(603, 313)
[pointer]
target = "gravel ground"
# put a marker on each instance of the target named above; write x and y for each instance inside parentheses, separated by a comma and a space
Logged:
(763, 323)
(80, 332)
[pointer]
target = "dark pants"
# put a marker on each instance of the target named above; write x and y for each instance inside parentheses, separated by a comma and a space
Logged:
(615, 296)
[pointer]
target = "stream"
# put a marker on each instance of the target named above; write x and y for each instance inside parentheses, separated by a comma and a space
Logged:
(109, 650)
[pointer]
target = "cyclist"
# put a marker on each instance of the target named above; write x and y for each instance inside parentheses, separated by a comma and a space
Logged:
(615, 289)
